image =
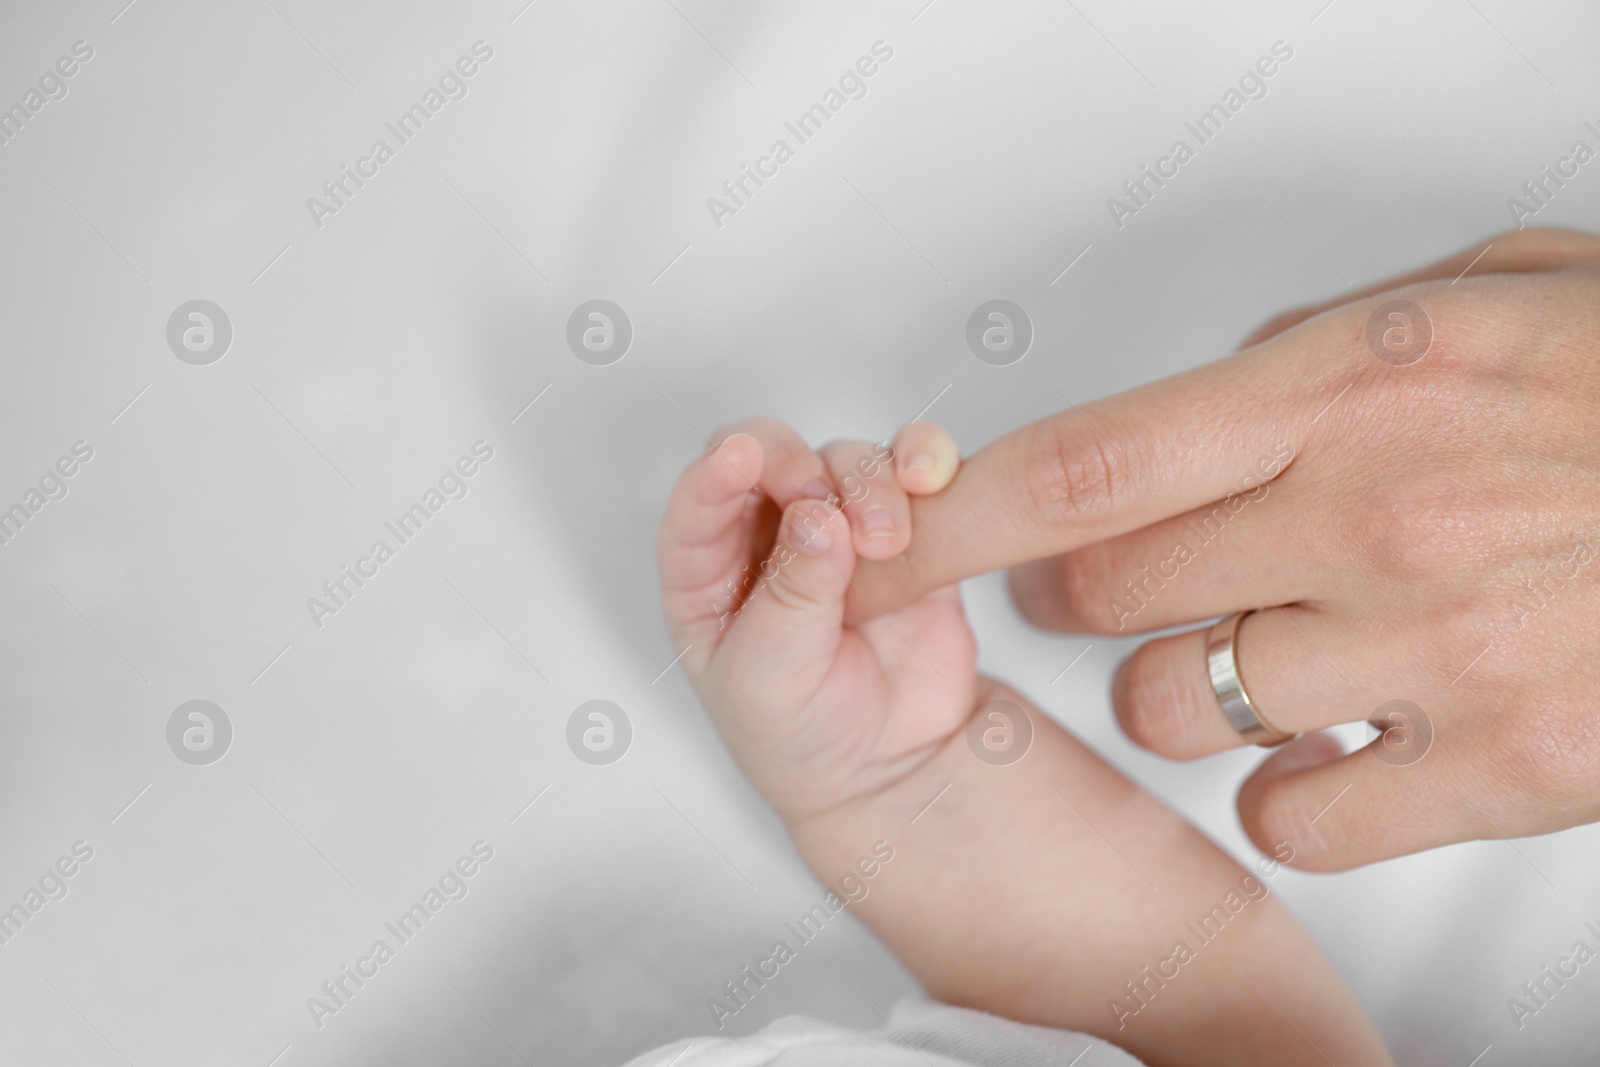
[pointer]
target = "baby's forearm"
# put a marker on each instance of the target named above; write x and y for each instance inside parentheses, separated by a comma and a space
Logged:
(1054, 891)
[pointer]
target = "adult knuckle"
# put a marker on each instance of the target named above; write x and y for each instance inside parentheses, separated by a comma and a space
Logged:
(1072, 477)
(1551, 757)
(1414, 529)
(1487, 342)
(1540, 240)
(1516, 242)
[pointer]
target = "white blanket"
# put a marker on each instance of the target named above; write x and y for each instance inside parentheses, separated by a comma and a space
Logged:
(917, 1033)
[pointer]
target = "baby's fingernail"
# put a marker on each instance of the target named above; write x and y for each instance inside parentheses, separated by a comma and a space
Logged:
(878, 522)
(920, 461)
(816, 489)
(812, 539)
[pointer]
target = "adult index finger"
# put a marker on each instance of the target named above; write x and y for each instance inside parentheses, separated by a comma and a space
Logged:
(1094, 470)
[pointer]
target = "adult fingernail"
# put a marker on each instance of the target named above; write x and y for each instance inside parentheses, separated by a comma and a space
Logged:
(925, 471)
(878, 522)
(810, 538)
(816, 489)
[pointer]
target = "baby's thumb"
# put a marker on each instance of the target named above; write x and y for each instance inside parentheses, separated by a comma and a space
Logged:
(789, 630)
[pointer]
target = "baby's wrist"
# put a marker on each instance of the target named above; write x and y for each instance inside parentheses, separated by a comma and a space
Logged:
(896, 811)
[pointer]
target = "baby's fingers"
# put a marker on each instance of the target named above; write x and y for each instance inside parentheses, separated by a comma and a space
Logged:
(790, 468)
(925, 458)
(703, 536)
(714, 520)
(873, 501)
(789, 631)
(876, 484)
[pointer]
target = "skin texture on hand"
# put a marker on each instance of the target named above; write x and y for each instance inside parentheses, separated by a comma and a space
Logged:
(1405, 487)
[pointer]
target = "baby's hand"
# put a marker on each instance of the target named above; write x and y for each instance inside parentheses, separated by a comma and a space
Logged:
(756, 551)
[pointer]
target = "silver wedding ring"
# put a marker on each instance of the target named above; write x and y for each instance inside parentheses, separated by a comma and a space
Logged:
(1222, 661)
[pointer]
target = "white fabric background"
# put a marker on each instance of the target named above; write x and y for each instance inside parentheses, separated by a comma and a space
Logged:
(370, 353)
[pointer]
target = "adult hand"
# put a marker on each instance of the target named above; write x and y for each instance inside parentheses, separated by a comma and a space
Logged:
(1409, 493)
